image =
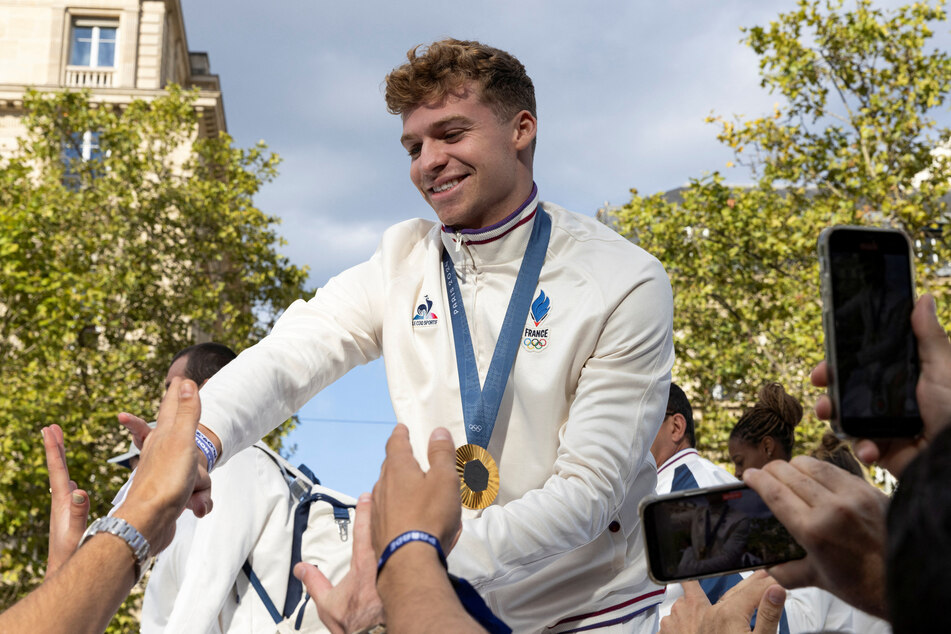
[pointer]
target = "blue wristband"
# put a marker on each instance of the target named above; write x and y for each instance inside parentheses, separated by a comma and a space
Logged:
(405, 538)
(207, 448)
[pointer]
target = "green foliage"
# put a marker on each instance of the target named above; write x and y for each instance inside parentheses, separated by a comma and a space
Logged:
(109, 266)
(852, 143)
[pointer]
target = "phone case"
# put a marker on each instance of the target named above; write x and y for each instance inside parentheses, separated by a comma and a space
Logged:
(828, 329)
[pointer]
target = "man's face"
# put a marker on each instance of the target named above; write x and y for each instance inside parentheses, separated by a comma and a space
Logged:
(464, 161)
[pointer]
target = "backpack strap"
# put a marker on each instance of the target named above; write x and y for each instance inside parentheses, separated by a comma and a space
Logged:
(256, 584)
(295, 589)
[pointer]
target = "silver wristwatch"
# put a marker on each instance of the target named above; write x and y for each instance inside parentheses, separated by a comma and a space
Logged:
(117, 526)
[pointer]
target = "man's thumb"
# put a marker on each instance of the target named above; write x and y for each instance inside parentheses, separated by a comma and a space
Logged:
(770, 610)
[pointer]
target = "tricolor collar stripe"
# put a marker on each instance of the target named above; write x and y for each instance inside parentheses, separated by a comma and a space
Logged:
(656, 593)
(684, 454)
(499, 229)
(504, 233)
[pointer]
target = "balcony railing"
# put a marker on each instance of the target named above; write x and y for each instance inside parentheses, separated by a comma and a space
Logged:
(84, 77)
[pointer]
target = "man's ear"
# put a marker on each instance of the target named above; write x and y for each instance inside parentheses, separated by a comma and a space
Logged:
(526, 127)
(678, 428)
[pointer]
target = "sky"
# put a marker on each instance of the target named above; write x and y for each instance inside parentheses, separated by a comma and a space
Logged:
(623, 88)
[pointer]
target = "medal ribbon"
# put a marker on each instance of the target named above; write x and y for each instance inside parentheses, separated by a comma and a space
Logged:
(480, 405)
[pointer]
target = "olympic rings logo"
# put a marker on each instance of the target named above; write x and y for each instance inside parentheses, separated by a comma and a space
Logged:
(476, 428)
(531, 343)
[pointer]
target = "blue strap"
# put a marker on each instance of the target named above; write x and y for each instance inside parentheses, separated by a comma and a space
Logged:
(295, 589)
(475, 606)
(256, 584)
(300, 613)
(307, 472)
(480, 404)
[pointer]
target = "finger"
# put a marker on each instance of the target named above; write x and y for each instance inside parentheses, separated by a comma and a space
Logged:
(825, 474)
(136, 426)
(795, 574)
(933, 343)
(200, 501)
(362, 525)
(770, 610)
(820, 375)
(823, 407)
(781, 500)
(398, 442)
(442, 451)
(867, 451)
(753, 585)
(55, 461)
(694, 593)
(78, 510)
(314, 580)
(802, 479)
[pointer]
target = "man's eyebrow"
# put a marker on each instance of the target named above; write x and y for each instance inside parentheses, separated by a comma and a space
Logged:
(440, 123)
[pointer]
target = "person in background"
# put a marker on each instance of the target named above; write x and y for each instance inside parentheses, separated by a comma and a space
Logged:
(766, 431)
(681, 467)
(834, 450)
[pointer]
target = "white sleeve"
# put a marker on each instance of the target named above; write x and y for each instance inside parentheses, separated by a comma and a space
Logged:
(244, 499)
(604, 448)
(313, 344)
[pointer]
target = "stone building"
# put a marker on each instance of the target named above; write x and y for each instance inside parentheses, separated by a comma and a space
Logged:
(119, 50)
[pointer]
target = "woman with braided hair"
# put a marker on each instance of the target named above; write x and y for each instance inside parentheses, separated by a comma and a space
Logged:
(766, 431)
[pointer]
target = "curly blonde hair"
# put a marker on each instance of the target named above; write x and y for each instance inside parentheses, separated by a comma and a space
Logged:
(445, 66)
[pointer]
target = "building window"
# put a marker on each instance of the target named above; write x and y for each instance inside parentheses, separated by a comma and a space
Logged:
(81, 147)
(93, 43)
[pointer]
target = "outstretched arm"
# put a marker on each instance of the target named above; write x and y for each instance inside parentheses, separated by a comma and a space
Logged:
(167, 475)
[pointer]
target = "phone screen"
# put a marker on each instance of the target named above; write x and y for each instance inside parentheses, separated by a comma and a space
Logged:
(711, 532)
(876, 357)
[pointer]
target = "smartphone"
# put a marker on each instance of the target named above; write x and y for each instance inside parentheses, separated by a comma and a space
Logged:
(868, 293)
(711, 532)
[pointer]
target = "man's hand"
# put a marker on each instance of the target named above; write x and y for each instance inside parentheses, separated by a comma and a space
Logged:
(168, 470)
(933, 393)
(353, 604)
(406, 499)
(693, 614)
(69, 505)
(838, 518)
(200, 501)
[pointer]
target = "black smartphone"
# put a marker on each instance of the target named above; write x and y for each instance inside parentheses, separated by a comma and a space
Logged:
(711, 532)
(868, 293)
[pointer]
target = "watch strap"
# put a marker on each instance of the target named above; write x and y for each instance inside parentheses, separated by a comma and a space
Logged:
(141, 550)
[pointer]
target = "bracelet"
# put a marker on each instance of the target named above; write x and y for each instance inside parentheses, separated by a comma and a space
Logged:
(405, 538)
(141, 550)
(207, 448)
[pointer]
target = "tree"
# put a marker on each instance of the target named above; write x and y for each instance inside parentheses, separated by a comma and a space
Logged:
(123, 236)
(853, 141)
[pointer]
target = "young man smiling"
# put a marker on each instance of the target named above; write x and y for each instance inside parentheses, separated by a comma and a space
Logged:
(537, 396)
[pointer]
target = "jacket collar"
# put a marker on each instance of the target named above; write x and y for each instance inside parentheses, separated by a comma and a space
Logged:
(496, 244)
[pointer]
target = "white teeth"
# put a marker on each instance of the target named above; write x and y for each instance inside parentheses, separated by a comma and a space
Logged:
(446, 186)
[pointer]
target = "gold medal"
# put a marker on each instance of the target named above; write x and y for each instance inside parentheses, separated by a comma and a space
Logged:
(478, 476)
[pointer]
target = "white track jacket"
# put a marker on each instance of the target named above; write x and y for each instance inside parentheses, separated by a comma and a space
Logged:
(561, 547)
